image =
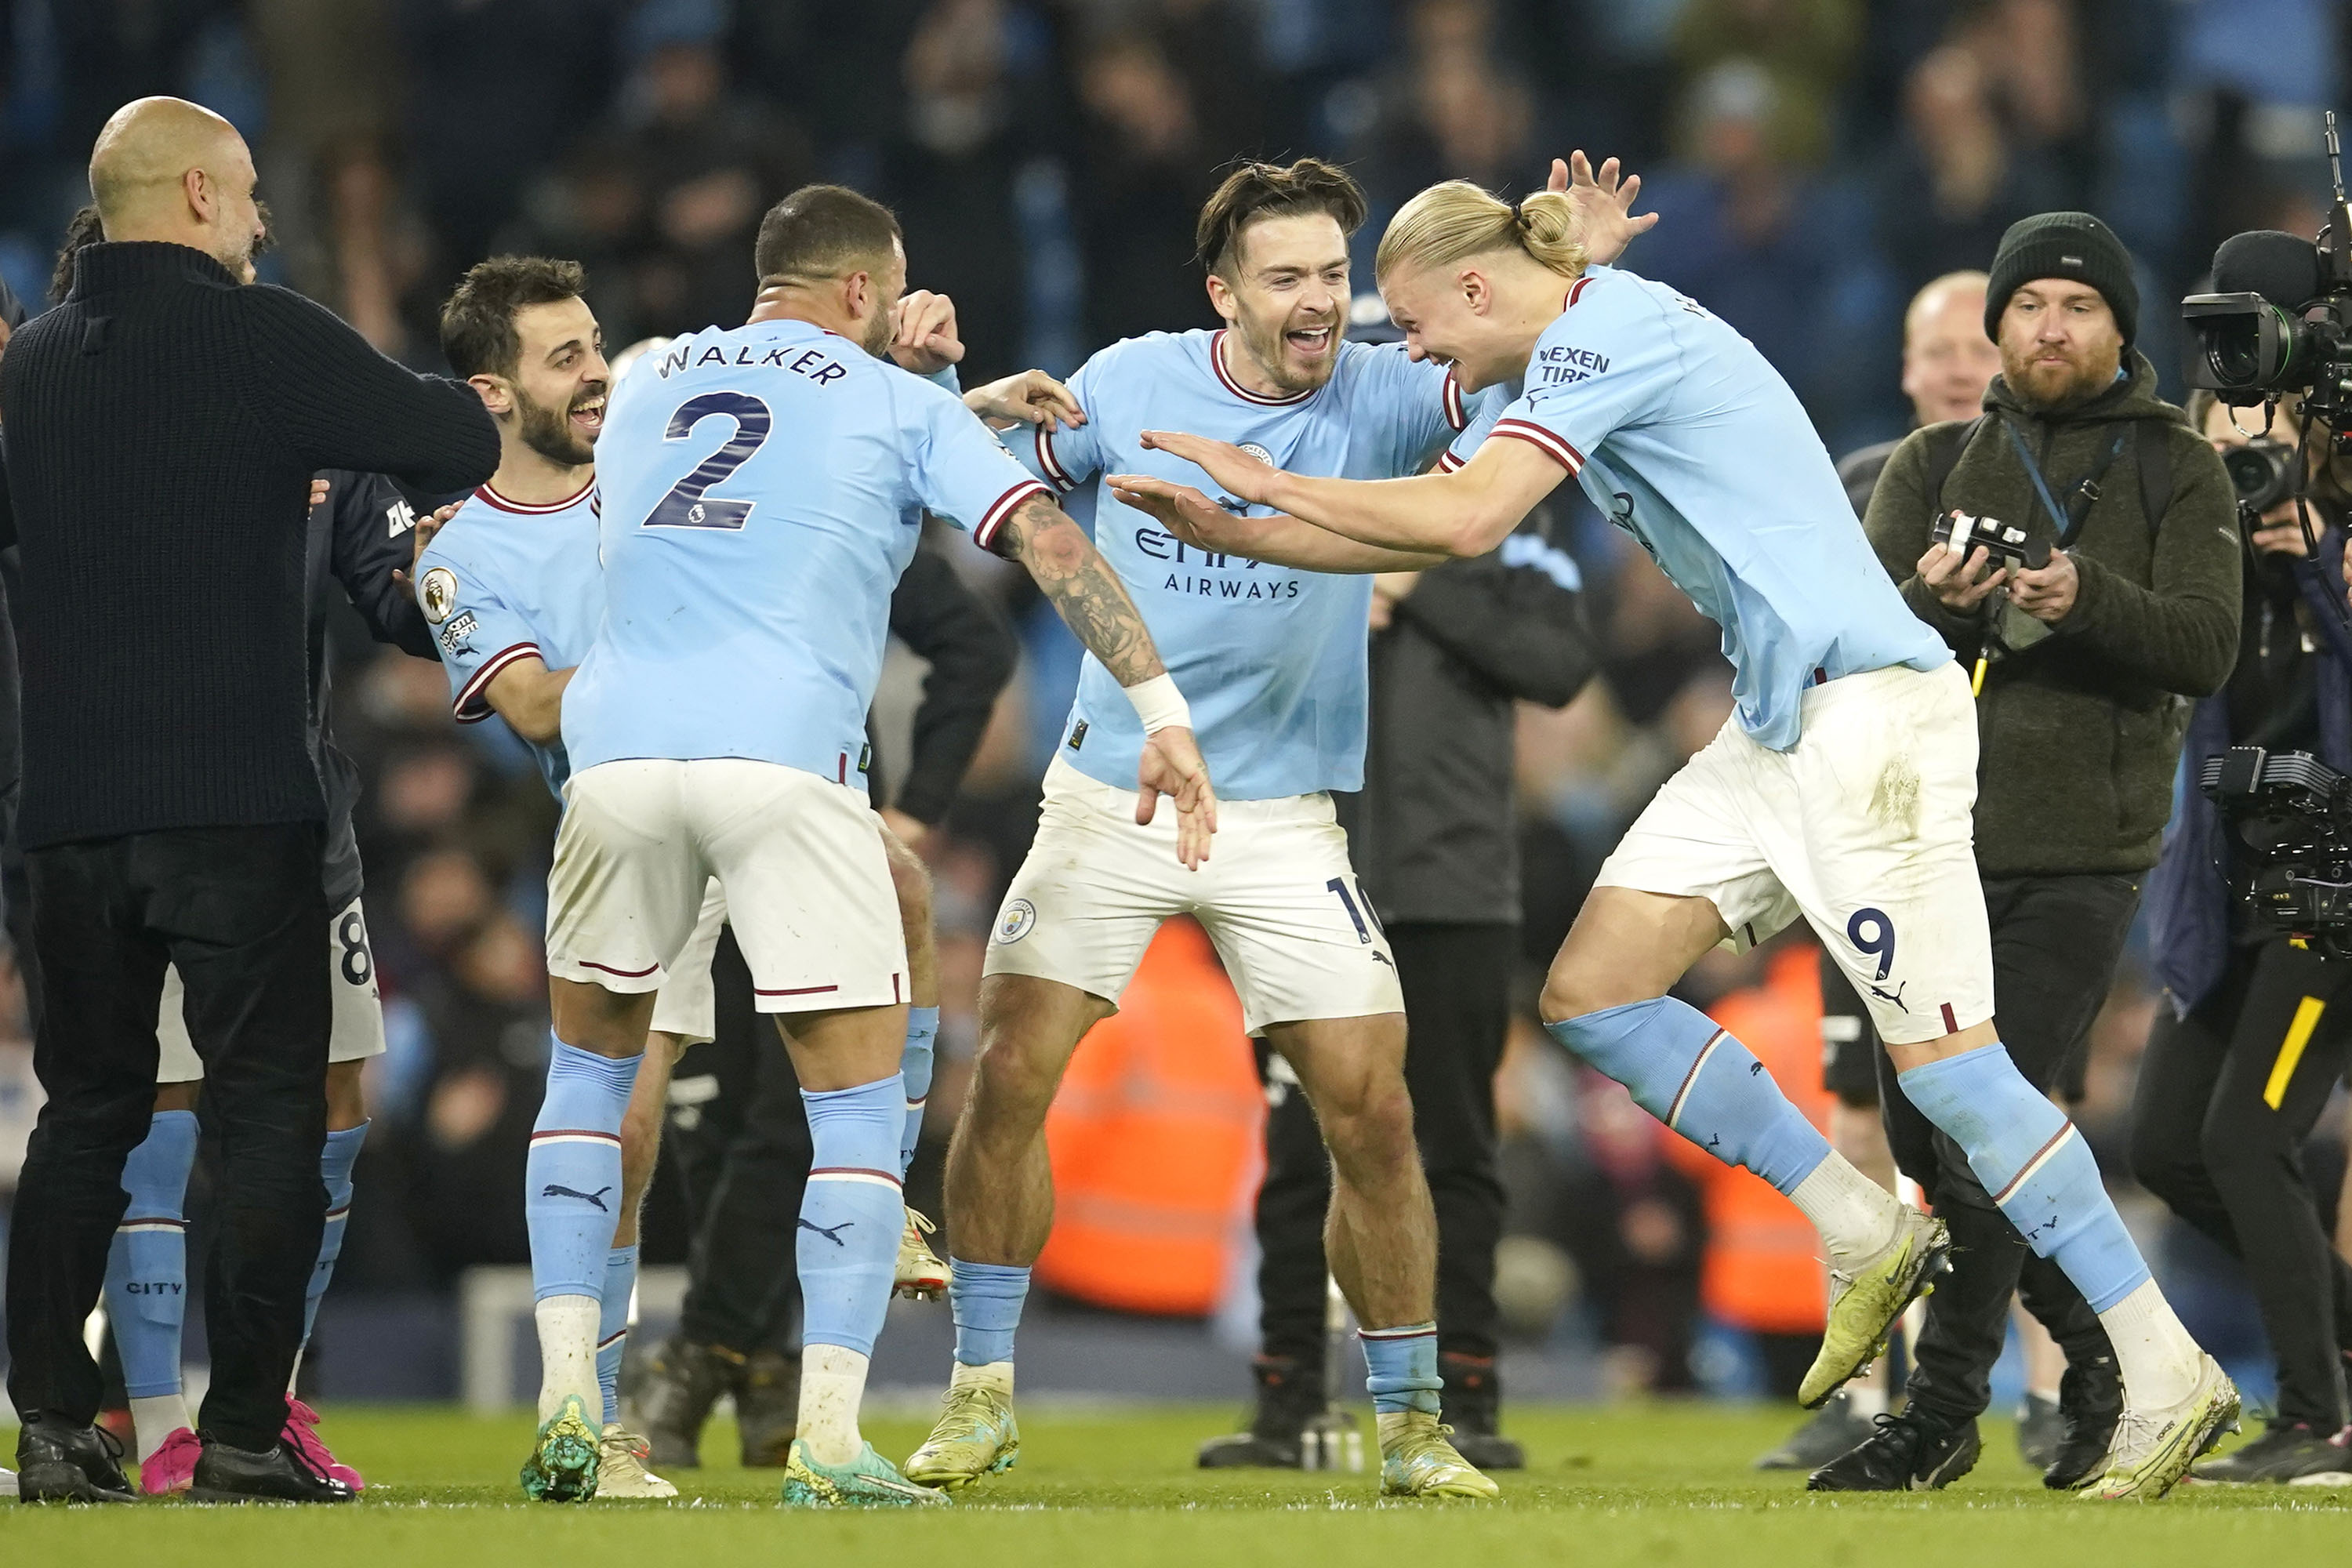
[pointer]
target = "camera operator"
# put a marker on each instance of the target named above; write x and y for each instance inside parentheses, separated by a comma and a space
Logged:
(2083, 661)
(2257, 1030)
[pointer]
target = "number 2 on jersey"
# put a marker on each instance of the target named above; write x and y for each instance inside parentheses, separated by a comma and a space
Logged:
(684, 507)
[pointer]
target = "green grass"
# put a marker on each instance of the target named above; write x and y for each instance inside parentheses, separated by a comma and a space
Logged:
(1668, 1486)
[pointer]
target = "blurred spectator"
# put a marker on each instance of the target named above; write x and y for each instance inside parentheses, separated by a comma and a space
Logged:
(487, 1015)
(334, 95)
(1955, 184)
(497, 88)
(1803, 48)
(2033, 58)
(1745, 233)
(1146, 165)
(952, 172)
(711, 162)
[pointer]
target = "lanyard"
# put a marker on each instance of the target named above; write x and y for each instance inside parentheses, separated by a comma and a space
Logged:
(2064, 520)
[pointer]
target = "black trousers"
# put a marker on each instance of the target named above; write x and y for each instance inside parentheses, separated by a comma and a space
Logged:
(737, 1136)
(1456, 980)
(2226, 1097)
(238, 910)
(2055, 944)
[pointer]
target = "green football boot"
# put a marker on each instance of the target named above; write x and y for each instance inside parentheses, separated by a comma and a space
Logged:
(977, 1436)
(564, 1460)
(1866, 1301)
(868, 1481)
(2153, 1449)
(1417, 1460)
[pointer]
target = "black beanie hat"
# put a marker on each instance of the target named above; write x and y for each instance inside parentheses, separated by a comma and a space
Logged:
(2062, 244)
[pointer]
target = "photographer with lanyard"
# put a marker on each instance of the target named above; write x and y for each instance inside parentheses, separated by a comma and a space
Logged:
(2082, 663)
(2252, 1037)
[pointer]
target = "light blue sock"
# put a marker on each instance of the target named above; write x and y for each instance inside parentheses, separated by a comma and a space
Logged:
(1700, 1081)
(2035, 1166)
(985, 1298)
(1400, 1368)
(572, 1178)
(147, 1263)
(915, 1067)
(851, 1212)
(613, 1326)
(335, 1162)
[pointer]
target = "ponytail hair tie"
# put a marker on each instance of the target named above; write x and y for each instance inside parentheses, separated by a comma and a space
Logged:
(1519, 213)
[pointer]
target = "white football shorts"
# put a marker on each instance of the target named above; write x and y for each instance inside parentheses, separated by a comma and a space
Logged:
(1279, 897)
(807, 882)
(1863, 827)
(357, 1029)
(689, 1004)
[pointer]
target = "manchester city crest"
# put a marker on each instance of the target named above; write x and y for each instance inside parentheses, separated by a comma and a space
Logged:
(1019, 919)
(439, 593)
(1260, 453)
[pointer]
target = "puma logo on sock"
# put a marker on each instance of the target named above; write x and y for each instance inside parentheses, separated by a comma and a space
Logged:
(831, 1233)
(597, 1197)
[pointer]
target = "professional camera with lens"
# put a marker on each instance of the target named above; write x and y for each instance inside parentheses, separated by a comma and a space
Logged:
(2261, 473)
(2280, 316)
(2290, 816)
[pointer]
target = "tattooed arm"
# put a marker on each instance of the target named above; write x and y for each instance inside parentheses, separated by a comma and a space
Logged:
(1094, 604)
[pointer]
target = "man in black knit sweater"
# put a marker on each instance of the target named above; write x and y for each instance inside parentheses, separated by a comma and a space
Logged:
(163, 426)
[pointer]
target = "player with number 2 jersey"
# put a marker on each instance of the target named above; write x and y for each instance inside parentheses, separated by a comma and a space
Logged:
(763, 487)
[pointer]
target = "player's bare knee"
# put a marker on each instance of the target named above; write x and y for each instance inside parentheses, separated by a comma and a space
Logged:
(1367, 1122)
(1568, 993)
(1013, 1081)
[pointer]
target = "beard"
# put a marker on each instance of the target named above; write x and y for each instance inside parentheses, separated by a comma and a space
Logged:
(549, 432)
(878, 333)
(2043, 385)
(1270, 347)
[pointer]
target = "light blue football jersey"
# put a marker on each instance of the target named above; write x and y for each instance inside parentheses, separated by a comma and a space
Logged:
(503, 580)
(763, 487)
(1685, 437)
(1270, 659)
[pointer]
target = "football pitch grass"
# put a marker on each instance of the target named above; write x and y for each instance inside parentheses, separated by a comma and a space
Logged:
(1665, 1484)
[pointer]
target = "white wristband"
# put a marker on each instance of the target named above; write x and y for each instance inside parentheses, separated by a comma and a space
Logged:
(1160, 705)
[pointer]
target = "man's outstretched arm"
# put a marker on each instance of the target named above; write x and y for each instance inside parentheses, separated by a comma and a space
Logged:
(1095, 606)
(1466, 512)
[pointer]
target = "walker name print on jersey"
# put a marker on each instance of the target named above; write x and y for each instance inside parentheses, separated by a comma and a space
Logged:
(763, 490)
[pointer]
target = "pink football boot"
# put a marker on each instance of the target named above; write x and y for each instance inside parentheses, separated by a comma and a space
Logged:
(302, 1431)
(172, 1468)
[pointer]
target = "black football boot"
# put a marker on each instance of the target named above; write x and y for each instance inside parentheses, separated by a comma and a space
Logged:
(1289, 1395)
(1914, 1451)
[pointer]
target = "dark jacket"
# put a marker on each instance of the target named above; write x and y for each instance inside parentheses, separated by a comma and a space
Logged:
(2188, 894)
(970, 651)
(163, 426)
(1433, 833)
(2078, 734)
(360, 535)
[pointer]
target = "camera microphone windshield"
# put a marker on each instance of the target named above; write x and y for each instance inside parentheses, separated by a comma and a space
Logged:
(2284, 269)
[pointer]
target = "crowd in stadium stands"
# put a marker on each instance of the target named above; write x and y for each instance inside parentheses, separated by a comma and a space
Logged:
(1815, 161)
